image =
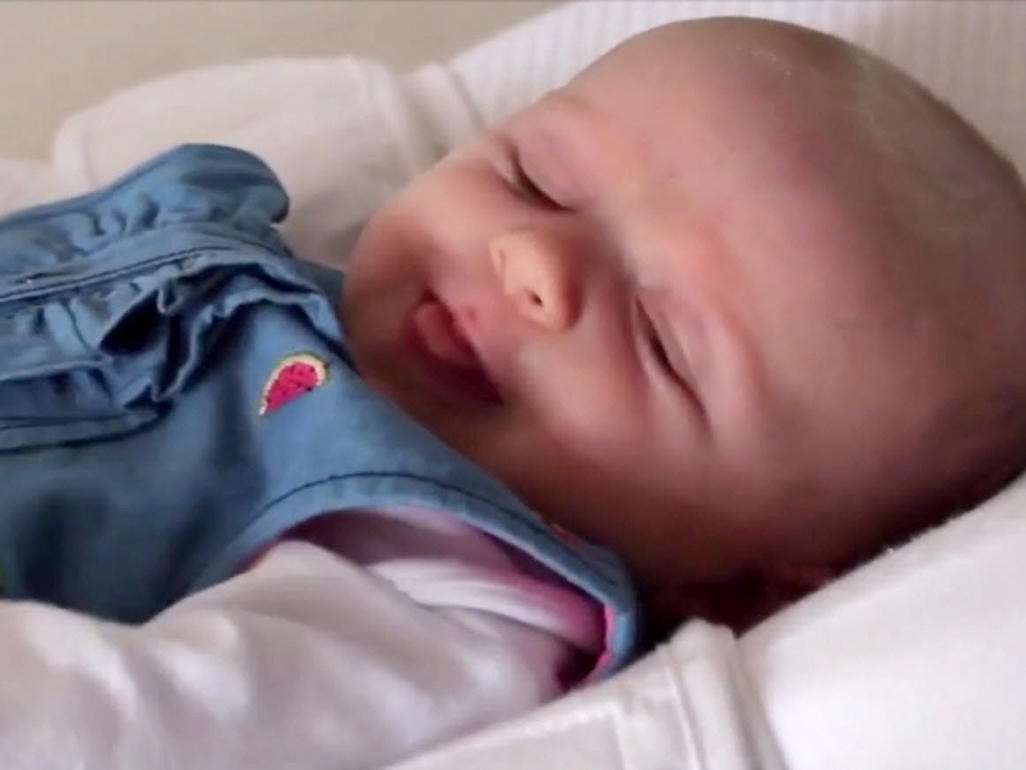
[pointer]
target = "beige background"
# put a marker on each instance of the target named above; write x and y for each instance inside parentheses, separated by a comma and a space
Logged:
(59, 55)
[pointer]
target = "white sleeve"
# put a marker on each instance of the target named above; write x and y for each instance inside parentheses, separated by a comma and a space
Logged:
(307, 660)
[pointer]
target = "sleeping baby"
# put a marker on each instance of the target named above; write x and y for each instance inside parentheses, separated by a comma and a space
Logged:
(734, 309)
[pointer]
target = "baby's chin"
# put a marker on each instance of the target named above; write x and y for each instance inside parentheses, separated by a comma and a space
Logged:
(393, 368)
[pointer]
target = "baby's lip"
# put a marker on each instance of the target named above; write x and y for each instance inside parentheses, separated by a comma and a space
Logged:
(434, 337)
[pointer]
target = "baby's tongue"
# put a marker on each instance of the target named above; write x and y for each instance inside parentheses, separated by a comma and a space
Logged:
(440, 334)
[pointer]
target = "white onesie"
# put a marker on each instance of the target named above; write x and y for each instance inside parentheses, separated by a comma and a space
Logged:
(361, 640)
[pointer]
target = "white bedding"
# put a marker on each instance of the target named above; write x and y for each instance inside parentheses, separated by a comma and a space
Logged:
(914, 661)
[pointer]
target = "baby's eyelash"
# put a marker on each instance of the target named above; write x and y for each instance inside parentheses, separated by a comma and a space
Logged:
(669, 357)
(658, 350)
(525, 185)
(655, 342)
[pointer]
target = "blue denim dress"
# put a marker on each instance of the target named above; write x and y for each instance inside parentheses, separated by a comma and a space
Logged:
(175, 393)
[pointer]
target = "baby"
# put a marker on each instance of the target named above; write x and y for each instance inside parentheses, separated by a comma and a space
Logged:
(740, 302)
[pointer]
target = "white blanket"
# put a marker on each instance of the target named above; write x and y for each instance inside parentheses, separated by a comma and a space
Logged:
(914, 661)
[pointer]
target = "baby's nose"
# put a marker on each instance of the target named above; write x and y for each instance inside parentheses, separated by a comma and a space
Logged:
(537, 275)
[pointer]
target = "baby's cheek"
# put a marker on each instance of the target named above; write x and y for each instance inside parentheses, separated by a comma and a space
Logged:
(589, 411)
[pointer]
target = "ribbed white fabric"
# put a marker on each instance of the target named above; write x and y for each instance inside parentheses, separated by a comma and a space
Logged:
(972, 53)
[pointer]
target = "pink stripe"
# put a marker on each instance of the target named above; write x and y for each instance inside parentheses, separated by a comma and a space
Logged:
(605, 660)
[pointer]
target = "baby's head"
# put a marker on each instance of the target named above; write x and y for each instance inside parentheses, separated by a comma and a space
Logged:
(740, 299)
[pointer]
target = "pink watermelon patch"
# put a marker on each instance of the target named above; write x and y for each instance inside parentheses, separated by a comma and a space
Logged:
(295, 375)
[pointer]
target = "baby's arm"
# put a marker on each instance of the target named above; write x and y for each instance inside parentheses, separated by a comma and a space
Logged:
(307, 660)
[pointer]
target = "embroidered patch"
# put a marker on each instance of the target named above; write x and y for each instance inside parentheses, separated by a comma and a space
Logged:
(292, 377)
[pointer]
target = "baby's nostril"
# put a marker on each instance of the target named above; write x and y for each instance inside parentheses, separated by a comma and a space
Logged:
(535, 299)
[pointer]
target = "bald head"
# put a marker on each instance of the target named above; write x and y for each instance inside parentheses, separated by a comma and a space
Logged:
(925, 245)
(748, 283)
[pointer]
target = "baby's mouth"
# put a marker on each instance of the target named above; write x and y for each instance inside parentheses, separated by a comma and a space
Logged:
(433, 337)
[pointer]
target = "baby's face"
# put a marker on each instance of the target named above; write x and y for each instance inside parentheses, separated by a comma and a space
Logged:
(644, 305)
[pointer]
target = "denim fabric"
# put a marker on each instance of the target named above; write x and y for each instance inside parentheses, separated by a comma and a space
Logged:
(139, 329)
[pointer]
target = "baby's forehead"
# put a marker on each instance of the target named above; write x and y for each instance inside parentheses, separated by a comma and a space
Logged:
(743, 142)
(749, 73)
(672, 97)
(718, 133)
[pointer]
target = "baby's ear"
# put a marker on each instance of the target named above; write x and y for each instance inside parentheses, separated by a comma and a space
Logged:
(739, 602)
